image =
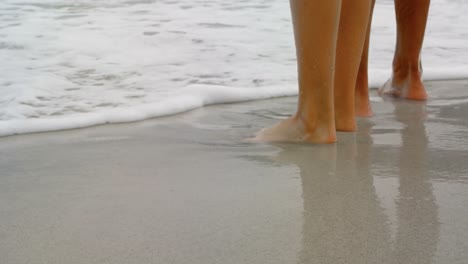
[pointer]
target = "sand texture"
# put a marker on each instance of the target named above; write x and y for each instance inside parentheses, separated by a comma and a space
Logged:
(188, 189)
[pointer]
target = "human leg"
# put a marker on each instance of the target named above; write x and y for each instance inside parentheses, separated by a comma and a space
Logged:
(315, 29)
(354, 22)
(362, 104)
(406, 81)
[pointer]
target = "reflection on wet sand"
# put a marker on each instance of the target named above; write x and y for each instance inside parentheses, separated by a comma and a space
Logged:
(417, 211)
(343, 218)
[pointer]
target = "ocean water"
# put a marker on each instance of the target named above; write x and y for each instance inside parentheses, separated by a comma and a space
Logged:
(69, 64)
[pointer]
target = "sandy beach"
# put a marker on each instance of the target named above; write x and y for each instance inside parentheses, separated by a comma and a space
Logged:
(189, 189)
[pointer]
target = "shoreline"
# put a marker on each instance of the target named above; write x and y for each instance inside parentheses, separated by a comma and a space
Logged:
(169, 107)
(188, 189)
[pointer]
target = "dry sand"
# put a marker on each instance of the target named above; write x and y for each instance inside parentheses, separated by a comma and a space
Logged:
(187, 189)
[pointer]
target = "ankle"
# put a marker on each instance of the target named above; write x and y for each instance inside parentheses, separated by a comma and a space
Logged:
(404, 69)
(345, 122)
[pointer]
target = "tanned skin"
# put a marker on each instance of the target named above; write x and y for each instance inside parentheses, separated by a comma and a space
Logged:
(330, 37)
(411, 17)
(332, 43)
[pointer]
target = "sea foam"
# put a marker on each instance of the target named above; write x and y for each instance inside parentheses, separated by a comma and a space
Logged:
(71, 64)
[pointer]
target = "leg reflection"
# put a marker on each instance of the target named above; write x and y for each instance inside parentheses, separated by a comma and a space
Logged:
(417, 211)
(343, 221)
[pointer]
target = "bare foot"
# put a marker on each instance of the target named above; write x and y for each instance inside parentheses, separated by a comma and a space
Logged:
(345, 122)
(410, 88)
(362, 106)
(294, 129)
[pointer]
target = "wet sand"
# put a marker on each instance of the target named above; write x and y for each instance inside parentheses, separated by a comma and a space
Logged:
(187, 189)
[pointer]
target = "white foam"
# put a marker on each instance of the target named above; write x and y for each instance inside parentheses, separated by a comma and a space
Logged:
(191, 97)
(76, 64)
